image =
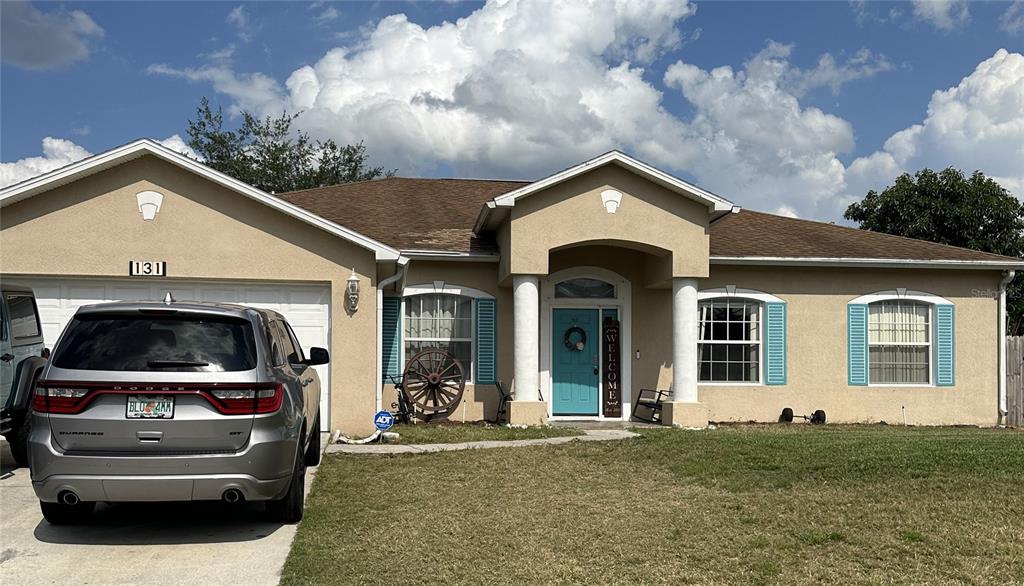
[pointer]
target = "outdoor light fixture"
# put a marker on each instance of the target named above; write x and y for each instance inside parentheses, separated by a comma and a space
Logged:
(352, 290)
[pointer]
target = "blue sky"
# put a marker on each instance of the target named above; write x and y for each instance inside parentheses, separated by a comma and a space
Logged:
(804, 138)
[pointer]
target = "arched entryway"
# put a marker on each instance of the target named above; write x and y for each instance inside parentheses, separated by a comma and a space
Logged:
(579, 378)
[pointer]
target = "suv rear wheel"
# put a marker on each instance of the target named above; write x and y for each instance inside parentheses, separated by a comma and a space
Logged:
(289, 509)
(61, 514)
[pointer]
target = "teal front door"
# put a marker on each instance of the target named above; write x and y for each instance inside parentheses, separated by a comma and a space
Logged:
(575, 343)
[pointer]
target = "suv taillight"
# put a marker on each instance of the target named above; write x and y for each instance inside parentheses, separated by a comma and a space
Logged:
(254, 401)
(59, 399)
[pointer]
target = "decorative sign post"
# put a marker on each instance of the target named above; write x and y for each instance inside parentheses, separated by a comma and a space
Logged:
(612, 367)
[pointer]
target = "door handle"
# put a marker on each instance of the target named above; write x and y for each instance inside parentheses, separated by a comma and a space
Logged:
(595, 371)
(7, 357)
(150, 436)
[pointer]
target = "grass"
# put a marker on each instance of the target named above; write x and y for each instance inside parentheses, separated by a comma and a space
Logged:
(450, 433)
(735, 505)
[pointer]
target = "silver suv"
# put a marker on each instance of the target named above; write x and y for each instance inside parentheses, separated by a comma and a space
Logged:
(175, 401)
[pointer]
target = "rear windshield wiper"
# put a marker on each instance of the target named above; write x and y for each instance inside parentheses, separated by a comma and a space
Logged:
(173, 363)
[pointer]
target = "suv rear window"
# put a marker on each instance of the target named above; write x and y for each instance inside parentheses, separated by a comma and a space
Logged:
(165, 344)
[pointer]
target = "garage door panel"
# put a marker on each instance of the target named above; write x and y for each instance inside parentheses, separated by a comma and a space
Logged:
(78, 295)
(130, 293)
(305, 306)
(220, 295)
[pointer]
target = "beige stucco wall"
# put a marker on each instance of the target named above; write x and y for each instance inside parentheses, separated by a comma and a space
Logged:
(478, 401)
(817, 348)
(816, 344)
(649, 217)
(92, 228)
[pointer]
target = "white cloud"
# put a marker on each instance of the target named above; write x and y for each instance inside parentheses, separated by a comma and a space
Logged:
(976, 125)
(37, 40)
(772, 63)
(326, 16)
(239, 18)
(522, 88)
(944, 15)
(252, 92)
(58, 152)
(176, 143)
(1012, 21)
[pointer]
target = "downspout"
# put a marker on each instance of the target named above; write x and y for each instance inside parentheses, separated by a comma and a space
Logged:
(1007, 277)
(403, 266)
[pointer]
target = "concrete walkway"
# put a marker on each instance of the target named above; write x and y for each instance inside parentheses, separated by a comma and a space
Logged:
(590, 435)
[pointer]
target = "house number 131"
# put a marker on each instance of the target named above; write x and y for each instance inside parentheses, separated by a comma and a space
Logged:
(147, 268)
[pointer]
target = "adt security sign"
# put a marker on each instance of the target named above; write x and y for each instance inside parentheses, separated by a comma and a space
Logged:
(383, 420)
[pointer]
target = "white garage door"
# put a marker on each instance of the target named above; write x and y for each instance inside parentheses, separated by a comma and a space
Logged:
(307, 307)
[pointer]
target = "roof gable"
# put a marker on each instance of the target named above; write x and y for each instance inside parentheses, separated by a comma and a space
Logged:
(114, 157)
(714, 202)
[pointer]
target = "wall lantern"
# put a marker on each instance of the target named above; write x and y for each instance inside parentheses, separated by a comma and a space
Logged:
(352, 291)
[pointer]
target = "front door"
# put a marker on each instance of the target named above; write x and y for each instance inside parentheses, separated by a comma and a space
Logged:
(575, 343)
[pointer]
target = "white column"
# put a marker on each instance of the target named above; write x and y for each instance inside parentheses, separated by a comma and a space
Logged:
(526, 336)
(684, 339)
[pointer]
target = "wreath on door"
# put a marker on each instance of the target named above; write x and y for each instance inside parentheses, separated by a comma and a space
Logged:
(575, 339)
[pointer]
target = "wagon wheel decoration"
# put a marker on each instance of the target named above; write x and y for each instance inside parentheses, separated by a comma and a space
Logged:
(434, 381)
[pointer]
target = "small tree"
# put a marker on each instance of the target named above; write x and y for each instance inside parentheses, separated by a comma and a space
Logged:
(947, 207)
(267, 154)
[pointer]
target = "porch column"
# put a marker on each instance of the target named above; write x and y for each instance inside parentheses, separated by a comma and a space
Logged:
(526, 408)
(684, 410)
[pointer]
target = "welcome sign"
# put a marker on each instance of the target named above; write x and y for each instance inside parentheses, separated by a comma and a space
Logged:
(612, 367)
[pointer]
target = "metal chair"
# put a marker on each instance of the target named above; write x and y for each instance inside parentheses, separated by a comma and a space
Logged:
(651, 400)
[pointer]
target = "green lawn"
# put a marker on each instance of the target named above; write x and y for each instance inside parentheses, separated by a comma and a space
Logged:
(449, 433)
(738, 504)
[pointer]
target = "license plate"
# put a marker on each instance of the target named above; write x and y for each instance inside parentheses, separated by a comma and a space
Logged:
(150, 407)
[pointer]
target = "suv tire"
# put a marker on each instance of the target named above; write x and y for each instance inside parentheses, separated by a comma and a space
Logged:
(289, 508)
(313, 451)
(61, 514)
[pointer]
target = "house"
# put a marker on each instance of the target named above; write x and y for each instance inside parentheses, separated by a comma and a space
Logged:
(739, 313)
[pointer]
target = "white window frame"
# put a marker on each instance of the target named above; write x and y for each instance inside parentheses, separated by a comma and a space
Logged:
(760, 342)
(928, 344)
(441, 288)
(733, 292)
(902, 294)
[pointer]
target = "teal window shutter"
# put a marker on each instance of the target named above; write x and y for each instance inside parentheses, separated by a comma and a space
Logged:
(391, 337)
(857, 343)
(486, 326)
(945, 346)
(775, 355)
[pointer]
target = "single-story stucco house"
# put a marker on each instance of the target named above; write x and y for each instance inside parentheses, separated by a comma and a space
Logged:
(739, 313)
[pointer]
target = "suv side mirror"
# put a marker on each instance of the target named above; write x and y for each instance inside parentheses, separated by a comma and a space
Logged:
(318, 356)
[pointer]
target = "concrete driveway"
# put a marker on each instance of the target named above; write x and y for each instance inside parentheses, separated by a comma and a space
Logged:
(138, 543)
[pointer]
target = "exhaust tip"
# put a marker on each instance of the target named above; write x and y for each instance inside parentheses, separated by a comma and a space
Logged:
(232, 495)
(68, 498)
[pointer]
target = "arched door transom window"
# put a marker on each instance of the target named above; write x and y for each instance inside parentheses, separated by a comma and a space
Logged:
(584, 288)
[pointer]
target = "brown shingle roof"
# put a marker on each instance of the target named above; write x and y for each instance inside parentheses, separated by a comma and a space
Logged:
(750, 233)
(408, 214)
(439, 214)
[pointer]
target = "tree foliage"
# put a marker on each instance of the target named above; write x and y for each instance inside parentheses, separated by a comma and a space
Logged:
(950, 208)
(266, 153)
